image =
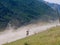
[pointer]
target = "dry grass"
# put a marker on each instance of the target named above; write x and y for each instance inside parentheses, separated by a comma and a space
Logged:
(49, 37)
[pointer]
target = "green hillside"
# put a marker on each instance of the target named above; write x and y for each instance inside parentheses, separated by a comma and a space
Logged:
(22, 12)
(49, 37)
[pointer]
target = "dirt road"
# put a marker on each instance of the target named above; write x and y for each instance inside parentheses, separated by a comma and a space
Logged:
(11, 36)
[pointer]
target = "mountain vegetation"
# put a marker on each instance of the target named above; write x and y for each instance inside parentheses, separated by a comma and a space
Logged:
(23, 12)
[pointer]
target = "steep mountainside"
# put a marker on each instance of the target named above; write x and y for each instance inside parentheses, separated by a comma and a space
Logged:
(22, 12)
(54, 6)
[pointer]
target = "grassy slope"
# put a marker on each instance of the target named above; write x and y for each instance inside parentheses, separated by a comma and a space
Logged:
(49, 37)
